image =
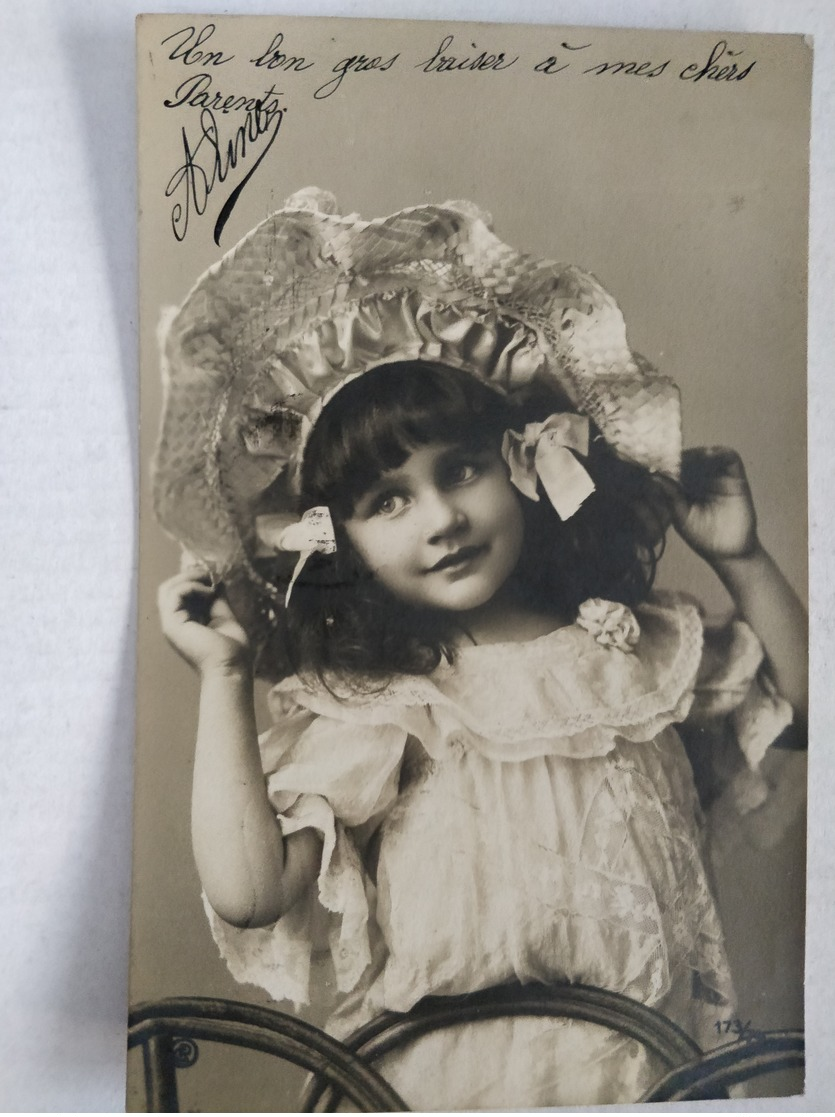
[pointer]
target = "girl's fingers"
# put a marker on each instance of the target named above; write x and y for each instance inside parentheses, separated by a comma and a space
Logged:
(192, 575)
(172, 596)
(198, 622)
(185, 598)
(711, 458)
(712, 470)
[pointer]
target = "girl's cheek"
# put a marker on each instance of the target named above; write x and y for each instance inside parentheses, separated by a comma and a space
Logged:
(515, 521)
(512, 507)
(376, 545)
(358, 539)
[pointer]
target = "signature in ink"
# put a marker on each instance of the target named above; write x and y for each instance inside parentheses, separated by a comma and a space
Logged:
(209, 161)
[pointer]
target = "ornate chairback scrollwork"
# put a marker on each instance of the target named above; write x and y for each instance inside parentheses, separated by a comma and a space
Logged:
(168, 1032)
(750, 1057)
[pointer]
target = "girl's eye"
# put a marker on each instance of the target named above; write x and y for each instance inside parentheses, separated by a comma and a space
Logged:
(388, 504)
(459, 473)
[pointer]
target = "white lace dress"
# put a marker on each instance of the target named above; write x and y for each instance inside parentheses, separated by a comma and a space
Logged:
(527, 814)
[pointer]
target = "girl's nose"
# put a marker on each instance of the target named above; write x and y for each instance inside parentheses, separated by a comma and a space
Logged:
(443, 517)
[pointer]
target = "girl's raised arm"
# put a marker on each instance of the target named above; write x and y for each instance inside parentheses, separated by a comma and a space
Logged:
(251, 875)
(714, 513)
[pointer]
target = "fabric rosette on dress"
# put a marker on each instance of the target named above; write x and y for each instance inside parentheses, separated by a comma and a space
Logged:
(612, 624)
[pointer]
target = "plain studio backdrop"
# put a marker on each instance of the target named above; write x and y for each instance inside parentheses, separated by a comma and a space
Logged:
(687, 203)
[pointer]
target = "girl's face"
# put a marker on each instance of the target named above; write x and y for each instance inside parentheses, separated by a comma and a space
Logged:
(442, 531)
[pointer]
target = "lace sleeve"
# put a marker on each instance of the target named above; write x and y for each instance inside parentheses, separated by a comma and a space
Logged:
(736, 716)
(319, 776)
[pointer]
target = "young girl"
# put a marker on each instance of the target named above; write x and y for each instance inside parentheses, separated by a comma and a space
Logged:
(474, 776)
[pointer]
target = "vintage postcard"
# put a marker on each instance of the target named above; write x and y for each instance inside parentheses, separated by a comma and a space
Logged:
(470, 769)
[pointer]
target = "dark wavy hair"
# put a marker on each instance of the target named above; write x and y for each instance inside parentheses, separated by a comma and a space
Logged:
(342, 624)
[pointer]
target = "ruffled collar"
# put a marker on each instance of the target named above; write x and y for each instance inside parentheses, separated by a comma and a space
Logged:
(611, 624)
(567, 691)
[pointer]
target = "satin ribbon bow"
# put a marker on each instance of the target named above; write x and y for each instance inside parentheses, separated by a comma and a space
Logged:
(545, 451)
(313, 532)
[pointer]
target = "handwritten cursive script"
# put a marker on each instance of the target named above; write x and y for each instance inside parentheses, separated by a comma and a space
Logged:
(209, 160)
(186, 42)
(440, 63)
(354, 64)
(198, 92)
(713, 72)
(731, 69)
(275, 58)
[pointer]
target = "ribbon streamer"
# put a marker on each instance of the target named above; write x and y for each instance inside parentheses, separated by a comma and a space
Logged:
(312, 533)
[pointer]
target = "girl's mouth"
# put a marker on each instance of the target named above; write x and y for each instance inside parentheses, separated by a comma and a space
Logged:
(457, 560)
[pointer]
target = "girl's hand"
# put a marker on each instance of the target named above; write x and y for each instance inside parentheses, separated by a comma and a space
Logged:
(712, 507)
(199, 623)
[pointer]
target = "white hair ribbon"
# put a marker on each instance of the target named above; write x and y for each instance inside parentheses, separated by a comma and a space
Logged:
(313, 532)
(545, 451)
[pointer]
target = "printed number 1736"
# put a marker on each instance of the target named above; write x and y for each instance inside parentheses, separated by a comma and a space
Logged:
(734, 1027)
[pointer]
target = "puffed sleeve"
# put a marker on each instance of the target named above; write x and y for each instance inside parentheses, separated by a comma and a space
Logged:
(340, 781)
(735, 718)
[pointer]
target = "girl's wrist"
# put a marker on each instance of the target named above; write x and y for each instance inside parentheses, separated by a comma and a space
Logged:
(231, 670)
(729, 564)
(740, 573)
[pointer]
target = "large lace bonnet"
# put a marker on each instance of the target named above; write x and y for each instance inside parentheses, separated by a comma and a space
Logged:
(310, 298)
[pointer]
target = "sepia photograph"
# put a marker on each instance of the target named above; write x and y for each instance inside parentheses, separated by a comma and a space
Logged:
(470, 768)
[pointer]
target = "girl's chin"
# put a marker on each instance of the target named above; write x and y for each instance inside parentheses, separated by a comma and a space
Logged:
(466, 599)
